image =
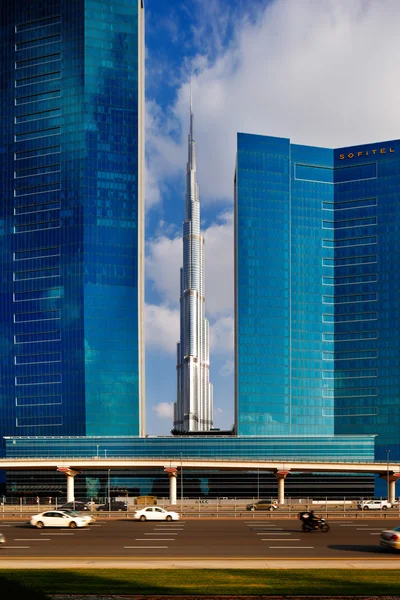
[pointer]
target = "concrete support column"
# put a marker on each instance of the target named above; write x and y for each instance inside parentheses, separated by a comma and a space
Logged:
(70, 474)
(392, 486)
(281, 476)
(70, 489)
(172, 474)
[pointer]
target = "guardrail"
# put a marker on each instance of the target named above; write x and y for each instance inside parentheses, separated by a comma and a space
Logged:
(218, 512)
(196, 457)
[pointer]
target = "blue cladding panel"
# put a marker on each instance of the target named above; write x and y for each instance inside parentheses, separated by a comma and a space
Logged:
(279, 271)
(317, 252)
(69, 218)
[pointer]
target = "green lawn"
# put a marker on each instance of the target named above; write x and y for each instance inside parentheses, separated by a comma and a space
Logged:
(226, 582)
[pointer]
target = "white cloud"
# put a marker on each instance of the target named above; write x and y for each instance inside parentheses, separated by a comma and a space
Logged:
(221, 335)
(165, 157)
(227, 369)
(161, 327)
(152, 193)
(319, 72)
(163, 263)
(219, 266)
(164, 410)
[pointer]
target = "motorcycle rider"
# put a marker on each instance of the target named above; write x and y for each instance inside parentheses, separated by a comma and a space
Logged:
(309, 519)
(312, 519)
(312, 522)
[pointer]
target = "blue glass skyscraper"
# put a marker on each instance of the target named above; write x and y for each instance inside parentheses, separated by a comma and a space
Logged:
(317, 250)
(71, 239)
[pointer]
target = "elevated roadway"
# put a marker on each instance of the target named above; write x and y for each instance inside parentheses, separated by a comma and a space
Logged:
(171, 466)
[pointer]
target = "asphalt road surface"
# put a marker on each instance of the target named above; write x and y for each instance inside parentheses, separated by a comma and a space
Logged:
(256, 538)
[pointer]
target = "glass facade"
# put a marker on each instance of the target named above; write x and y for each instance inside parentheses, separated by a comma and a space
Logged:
(316, 296)
(350, 448)
(71, 224)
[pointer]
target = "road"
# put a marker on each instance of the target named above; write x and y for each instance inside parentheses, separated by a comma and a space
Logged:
(252, 538)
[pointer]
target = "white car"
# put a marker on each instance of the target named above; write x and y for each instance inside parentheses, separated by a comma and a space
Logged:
(60, 518)
(2, 538)
(87, 516)
(391, 538)
(155, 513)
(374, 505)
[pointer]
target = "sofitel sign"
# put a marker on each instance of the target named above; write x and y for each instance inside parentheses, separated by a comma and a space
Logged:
(365, 153)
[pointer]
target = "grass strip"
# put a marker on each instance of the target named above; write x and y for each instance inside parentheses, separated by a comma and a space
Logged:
(195, 582)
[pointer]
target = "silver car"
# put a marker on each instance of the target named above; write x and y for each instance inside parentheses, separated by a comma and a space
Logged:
(2, 538)
(390, 538)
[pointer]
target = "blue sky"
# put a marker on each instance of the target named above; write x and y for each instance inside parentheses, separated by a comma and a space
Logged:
(321, 72)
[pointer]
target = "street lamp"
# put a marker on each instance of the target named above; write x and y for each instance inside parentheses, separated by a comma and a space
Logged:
(387, 474)
(181, 484)
(108, 490)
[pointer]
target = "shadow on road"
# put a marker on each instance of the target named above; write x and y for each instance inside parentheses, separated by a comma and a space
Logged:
(359, 548)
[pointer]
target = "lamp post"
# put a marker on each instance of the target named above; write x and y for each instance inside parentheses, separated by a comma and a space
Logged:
(258, 484)
(181, 484)
(387, 474)
(108, 490)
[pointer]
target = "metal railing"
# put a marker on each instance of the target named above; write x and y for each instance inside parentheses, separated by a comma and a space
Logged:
(202, 508)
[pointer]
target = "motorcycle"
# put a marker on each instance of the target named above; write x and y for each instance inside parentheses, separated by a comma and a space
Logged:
(315, 525)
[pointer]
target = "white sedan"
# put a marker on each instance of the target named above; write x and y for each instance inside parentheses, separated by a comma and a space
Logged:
(60, 518)
(391, 538)
(155, 513)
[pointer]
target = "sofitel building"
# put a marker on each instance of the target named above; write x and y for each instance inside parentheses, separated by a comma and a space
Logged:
(71, 244)
(317, 252)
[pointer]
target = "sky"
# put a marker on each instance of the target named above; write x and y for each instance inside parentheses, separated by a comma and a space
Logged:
(320, 72)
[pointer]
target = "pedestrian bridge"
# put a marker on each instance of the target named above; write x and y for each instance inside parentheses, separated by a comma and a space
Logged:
(172, 467)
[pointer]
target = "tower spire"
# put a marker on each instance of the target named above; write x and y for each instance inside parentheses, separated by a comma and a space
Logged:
(191, 97)
(191, 112)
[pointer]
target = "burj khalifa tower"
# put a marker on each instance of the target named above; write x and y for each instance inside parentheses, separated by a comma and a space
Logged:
(193, 409)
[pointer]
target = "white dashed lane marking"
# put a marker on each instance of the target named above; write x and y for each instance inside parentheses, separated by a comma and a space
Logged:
(280, 540)
(54, 533)
(264, 527)
(155, 540)
(146, 547)
(292, 547)
(275, 533)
